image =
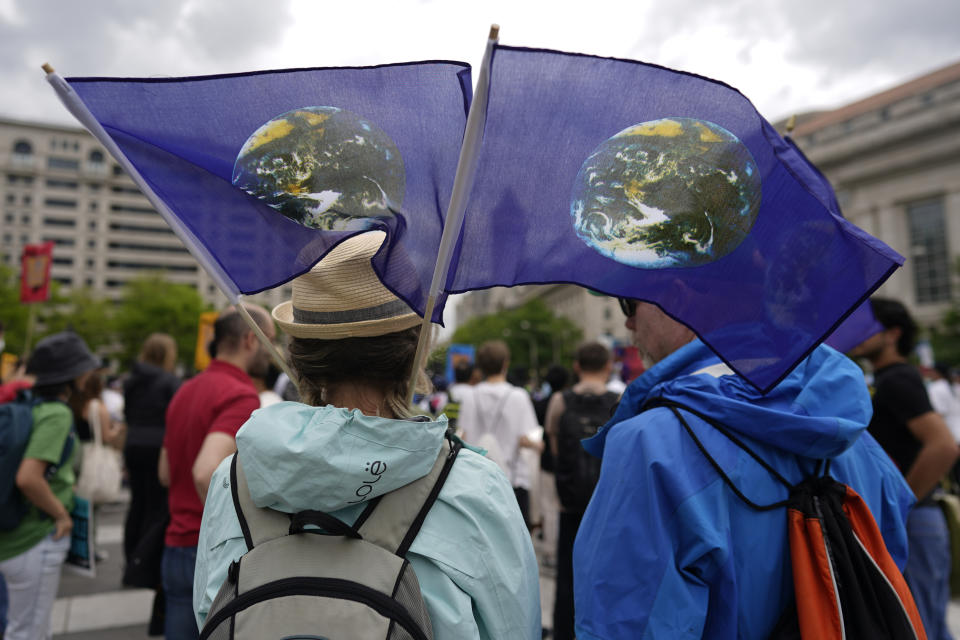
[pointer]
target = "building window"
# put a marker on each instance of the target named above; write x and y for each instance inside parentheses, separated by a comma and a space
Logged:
(11, 198)
(53, 162)
(63, 261)
(22, 155)
(25, 219)
(130, 190)
(139, 229)
(61, 242)
(96, 157)
(127, 246)
(928, 250)
(141, 266)
(62, 184)
(60, 204)
(123, 208)
(59, 222)
(27, 199)
(117, 170)
(9, 218)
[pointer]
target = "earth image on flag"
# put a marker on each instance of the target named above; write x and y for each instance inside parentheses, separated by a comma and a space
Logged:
(324, 167)
(674, 192)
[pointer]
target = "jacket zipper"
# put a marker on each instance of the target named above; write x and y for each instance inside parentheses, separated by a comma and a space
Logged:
(343, 589)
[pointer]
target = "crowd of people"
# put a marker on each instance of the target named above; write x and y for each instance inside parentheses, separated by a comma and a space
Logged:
(657, 505)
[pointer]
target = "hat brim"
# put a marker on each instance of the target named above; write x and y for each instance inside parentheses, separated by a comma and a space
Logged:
(283, 314)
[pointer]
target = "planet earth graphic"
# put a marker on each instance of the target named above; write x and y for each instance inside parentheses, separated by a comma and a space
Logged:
(324, 167)
(674, 192)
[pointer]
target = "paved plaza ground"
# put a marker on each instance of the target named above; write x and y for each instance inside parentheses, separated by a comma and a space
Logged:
(100, 609)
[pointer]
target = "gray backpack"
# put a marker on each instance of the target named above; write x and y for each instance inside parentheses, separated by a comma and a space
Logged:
(333, 582)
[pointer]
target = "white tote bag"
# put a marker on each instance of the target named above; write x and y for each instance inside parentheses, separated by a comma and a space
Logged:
(101, 472)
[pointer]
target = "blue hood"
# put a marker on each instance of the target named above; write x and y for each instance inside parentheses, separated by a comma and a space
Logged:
(803, 414)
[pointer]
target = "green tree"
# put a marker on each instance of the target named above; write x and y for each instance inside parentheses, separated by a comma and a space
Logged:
(537, 337)
(13, 315)
(89, 315)
(945, 339)
(152, 303)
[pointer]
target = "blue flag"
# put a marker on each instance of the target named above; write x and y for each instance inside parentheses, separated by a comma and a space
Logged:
(643, 182)
(860, 324)
(266, 172)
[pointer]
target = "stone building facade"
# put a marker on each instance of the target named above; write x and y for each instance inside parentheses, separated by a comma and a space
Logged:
(893, 159)
(59, 184)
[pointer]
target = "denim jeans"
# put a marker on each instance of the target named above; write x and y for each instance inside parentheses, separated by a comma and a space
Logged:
(177, 567)
(928, 568)
(4, 604)
(32, 579)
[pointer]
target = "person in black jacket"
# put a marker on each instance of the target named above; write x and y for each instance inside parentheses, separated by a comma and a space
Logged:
(147, 392)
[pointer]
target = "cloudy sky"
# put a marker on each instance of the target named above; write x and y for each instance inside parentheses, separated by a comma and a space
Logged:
(786, 55)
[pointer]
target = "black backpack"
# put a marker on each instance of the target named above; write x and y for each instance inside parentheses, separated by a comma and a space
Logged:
(16, 426)
(577, 472)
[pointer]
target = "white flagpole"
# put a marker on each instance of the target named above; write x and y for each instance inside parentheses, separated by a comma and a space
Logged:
(75, 106)
(462, 184)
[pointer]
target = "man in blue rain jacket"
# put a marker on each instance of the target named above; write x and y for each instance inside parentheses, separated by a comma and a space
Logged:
(666, 549)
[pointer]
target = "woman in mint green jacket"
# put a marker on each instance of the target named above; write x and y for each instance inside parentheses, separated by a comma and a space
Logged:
(352, 349)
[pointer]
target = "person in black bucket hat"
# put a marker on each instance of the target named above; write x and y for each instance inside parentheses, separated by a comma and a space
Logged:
(32, 553)
(60, 358)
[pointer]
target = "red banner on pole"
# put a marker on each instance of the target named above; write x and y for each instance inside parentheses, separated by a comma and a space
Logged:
(35, 272)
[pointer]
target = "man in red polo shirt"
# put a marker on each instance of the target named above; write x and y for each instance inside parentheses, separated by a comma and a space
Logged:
(202, 420)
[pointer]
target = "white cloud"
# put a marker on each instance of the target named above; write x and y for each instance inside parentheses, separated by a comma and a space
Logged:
(785, 56)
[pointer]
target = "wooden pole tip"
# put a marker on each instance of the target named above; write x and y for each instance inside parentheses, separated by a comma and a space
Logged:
(792, 123)
(494, 31)
(46, 67)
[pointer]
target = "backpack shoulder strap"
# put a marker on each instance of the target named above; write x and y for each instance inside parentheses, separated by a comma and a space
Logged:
(258, 525)
(398, 516)
(722, 428)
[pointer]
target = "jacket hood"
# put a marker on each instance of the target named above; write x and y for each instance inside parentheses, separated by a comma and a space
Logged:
(817, 411)
(299, 457)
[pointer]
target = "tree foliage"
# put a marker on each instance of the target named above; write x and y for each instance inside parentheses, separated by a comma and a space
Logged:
(537, 337)
(148, 304)
(945, 339)
(84, 312)
(13, 315)
(151, 304)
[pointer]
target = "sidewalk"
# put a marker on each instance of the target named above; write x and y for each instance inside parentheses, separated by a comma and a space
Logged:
(100, 609)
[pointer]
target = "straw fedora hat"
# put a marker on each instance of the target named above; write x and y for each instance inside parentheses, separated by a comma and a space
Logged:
(342, 297)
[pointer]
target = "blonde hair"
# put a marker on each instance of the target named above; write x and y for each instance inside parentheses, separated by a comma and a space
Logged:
(160, 350)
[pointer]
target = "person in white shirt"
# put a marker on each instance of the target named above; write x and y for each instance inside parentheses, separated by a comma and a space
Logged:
(498, 417)
(943, 397)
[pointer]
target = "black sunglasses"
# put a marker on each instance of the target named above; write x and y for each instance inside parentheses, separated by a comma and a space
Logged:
(628, 306)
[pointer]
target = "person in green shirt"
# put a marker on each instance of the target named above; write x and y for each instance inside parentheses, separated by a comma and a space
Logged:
(32, 553)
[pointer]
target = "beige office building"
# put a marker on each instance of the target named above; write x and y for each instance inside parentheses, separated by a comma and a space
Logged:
(894, 161)
(58, 184)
